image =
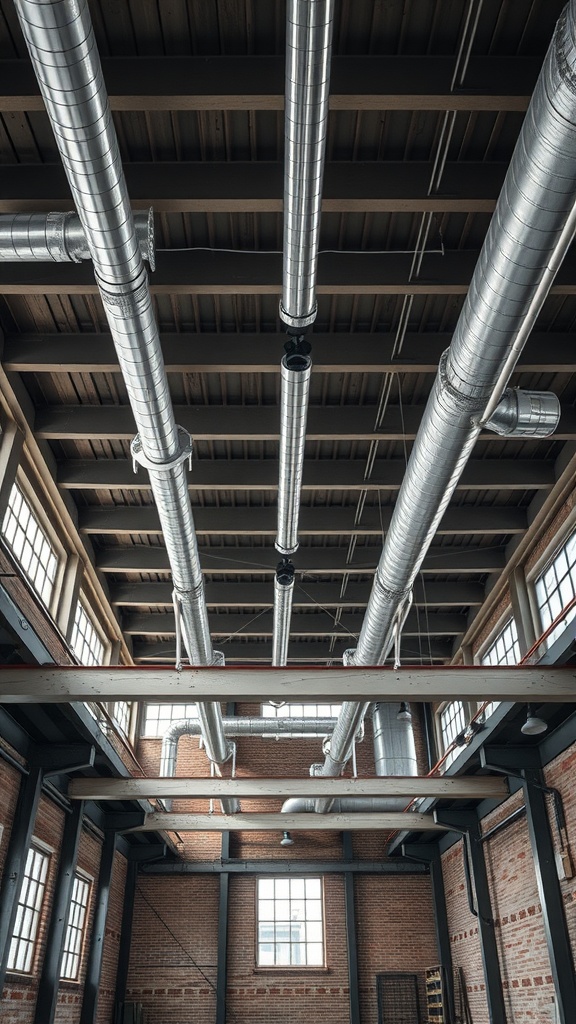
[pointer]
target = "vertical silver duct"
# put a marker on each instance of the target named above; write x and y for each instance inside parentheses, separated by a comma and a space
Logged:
(308, 52)
(530, 231)
(283, 594)
(62, 47)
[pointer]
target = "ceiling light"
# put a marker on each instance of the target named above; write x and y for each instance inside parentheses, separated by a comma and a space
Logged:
(404, 713)
(533, 726)
(286, 839)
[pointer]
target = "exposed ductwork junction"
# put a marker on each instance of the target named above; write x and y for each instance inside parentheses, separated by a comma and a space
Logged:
(60, 237)
(65, 58)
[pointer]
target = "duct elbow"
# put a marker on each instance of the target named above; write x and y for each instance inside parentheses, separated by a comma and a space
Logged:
(297, 805)
(525, 414)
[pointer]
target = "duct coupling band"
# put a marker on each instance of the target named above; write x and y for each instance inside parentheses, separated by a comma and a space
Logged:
(184, 454)
(56, 237)
(298, 322)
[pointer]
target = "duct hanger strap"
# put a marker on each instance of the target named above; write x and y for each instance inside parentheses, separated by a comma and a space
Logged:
(184, 454)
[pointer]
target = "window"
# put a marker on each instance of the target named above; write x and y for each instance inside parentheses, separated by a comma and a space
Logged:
(157, 717)
(504, 650)
(301, 711)
(121, 714)
(30, 545)
(85, 640)
(21, 955)
(75, 928)
(290, 923)
(556, 587)
(454, 718)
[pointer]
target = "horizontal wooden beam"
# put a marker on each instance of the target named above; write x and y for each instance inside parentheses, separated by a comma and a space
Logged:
(319, 475)
(56, 685)
(250, 423)
(321, 623)
(256, 187)
(388, 821)
(239, 560)
(306, 595)
(456, 788)
(261, 353)
(321, 522)
(257, 83)
(301, 651)
(221, 272)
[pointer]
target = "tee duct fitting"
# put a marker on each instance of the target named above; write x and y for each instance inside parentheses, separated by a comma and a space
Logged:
(525, 414)
(60, 237)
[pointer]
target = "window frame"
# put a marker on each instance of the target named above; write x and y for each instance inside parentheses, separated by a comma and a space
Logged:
(87, 879)
(28, 491)
(33, 940)
(291, 967)
(174, 718)
(470, 708)
(84, 603)
(541, 565)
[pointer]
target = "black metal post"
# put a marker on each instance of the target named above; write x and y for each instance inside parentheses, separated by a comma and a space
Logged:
(125, 936)
(467, 823)
(94, 965)
(222, 954)
(430, 854)
(351, 938)
(50, 976)
(553, 913)
(22, 829)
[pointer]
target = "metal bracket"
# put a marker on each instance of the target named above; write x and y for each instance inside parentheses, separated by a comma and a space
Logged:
(62, 758)
(184, 454)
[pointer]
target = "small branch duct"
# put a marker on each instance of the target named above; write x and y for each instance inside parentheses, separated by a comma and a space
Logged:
(60, 238)
(530, 232)
(65, 58)
(308, 53)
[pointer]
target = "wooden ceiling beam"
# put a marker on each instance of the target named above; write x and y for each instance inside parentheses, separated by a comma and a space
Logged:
(55, 685)
(456, 788)
(305, 625)
(261, 353)
(253, 822)
(257, 83)
(238, 560)
(313, 651)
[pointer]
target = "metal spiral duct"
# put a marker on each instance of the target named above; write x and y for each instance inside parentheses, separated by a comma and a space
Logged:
(59, 238)
(62, 47)
(530, 232)
(283, 595)
(295, 385)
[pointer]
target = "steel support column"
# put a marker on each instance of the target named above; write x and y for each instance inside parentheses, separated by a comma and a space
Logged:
(222, 953)
(351, 938)
(125, 937)
(50, 976)
(22, 829)
(94, 965)
(429, 853)
(467, 824)
(553, 913)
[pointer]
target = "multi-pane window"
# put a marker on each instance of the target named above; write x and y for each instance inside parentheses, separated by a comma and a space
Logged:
(30, 545)
(121, 712)
(21, 955)
(504, 650)
(453, 720)
(290, 922)
(302, 711)
(556, 587)
(75, 928)
(157, 717)
(85, 640)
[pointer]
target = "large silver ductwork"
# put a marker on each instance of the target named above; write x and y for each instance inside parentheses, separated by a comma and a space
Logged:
(283, 595)
(60, 238)
(308, 53)
(530, 232)
(394, 754)
(63, 50)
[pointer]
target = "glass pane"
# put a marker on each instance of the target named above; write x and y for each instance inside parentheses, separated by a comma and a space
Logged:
(313, 890)
(315, 954)
(282, 888)
(266, 889)
(266, 910)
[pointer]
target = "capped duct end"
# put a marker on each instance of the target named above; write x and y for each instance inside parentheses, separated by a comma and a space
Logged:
(283, 594)
(525, 414)
(296, 368)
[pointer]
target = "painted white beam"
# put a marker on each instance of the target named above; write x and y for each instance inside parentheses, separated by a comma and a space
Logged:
(46, 684)
(458, 788)
(389, 821)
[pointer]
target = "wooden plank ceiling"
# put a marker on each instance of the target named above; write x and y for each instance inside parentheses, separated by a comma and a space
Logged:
(419, 141)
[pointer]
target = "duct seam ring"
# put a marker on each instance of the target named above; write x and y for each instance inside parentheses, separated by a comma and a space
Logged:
(446, 385)
(298, 321)
(184, 454)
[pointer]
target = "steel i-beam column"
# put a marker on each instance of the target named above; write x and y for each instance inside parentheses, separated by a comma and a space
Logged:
(15, 863)
(351, 938)
(50, 976)
(553, 913)
(94, 965)
(125, 936)
(467, 824)
(222, 955)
